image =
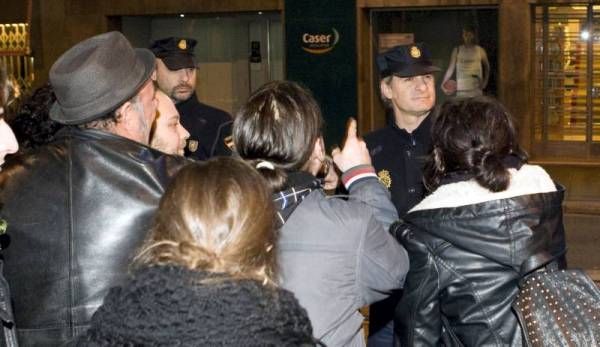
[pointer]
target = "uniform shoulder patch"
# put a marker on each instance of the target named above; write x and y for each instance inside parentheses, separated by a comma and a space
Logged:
(228, 141)
(385, 178)
(192, 145)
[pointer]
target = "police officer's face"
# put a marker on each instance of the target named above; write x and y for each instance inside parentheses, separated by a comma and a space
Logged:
(177, 84)
(169, 135)
(413, 96)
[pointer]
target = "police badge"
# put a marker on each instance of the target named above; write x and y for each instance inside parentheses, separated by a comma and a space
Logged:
(182, 45)
(228, 141)
(385, 178)
(415, 52)
(192, 145)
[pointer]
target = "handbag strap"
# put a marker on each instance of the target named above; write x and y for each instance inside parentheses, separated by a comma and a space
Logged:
(539, 260)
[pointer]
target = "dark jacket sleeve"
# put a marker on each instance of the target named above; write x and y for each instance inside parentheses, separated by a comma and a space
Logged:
(418, 319)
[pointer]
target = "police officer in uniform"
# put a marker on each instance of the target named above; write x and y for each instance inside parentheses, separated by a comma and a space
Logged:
(209, 127)
(398, 150)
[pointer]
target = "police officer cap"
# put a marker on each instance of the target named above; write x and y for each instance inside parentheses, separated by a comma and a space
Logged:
(176, 52)
(406, 61)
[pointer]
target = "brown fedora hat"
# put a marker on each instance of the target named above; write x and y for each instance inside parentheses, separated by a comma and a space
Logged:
(96, 76)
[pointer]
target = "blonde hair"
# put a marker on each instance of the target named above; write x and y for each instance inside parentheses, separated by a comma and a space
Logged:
(216, 216)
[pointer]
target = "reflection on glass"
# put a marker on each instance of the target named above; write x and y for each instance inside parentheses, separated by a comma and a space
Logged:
(567, 93)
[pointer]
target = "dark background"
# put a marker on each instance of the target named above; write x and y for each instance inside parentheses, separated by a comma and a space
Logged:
(330, 76)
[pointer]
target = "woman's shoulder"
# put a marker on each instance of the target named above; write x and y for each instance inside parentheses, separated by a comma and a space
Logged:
(329, 221)
(529, 179)
(338, 207)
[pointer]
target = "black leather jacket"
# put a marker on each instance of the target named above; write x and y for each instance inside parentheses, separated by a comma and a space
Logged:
(464, 268)
(77, 210)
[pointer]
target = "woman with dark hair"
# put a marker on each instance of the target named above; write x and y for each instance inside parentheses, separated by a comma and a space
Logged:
(206, 274)
(335, 254)
(488, 211)
(32, 124)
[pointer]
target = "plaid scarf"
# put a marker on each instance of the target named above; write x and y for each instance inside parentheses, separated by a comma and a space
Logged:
(299, 184)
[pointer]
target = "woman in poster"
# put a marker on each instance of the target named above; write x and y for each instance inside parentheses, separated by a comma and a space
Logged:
(472, 67)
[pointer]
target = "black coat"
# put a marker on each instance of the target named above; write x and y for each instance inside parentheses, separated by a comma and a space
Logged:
(77, 211)
(174, 306)
(209, 128)
(398, 158)
(464, 268)
(401, 156)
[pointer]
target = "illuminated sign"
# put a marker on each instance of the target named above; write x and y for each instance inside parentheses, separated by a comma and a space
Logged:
(319, 43)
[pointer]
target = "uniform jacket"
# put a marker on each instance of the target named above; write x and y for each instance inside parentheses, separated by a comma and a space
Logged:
(398, 158)
(209, 128)
(466, 246)
(77, 211)
(174, 306)
(336, 255)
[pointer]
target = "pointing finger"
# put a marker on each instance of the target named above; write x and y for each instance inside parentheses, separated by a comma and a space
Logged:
(351, 130)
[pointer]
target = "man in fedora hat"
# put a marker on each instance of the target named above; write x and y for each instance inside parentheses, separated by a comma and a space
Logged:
(176, 70)
(79, 207)
(399, 149)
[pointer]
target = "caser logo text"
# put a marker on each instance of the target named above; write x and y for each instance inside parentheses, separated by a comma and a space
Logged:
(319, 43)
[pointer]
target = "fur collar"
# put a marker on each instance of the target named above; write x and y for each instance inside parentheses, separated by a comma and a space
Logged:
(530, 179)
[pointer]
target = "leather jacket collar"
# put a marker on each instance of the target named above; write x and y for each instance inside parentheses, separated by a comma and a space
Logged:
(505, 230)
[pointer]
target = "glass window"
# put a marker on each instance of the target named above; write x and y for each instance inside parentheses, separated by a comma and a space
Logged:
(443, 30)
(567, 74)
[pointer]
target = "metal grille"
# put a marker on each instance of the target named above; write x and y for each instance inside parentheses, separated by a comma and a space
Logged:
(15, 54)
(567, 71)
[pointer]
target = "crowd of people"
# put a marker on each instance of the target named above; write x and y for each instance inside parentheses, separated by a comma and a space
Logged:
(139, 216)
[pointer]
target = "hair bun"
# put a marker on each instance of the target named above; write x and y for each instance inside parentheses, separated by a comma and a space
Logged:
(491, 172)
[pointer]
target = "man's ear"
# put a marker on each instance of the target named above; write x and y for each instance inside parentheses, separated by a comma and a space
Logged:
(123, 112)
(385, 88)
(125, 117)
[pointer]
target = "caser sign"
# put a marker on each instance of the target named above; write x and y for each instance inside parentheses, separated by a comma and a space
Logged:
(320, 42)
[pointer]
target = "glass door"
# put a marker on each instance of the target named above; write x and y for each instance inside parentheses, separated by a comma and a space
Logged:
(236, 52)
(567, 81)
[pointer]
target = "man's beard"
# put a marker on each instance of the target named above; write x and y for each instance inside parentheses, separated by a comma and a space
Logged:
(181, 92)
(158, 143)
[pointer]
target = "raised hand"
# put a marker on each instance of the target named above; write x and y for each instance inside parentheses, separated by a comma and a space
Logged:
(354, 151)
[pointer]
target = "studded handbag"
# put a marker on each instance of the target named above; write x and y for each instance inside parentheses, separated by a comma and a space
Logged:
(557, 307)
